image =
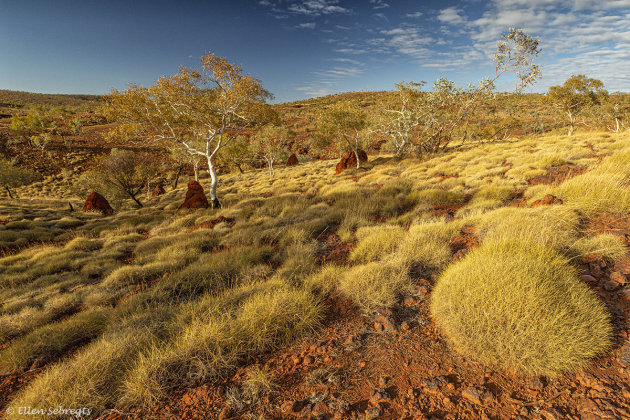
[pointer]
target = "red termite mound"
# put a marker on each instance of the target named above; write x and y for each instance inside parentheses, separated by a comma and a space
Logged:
(349, 161)
(96, 202)
(195, 197)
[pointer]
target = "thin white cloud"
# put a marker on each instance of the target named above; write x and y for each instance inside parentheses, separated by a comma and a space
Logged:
(414, 15)
(317, 7)
(307, 25)
(379, 4)
(452, 16)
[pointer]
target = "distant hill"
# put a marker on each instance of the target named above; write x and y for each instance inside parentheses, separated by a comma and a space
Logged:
(18, 99)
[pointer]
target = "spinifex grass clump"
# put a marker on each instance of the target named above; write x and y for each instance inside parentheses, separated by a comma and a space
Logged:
(519, 306)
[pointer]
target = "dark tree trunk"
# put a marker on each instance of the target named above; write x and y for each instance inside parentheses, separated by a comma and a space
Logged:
(179, 171)
(9, 191)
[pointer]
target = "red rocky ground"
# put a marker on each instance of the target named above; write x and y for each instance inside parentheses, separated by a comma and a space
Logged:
(398, 364)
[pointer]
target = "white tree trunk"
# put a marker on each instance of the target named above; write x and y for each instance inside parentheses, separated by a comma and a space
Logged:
(214, 201)
(196, 167)
(270, 164)
(356, 154)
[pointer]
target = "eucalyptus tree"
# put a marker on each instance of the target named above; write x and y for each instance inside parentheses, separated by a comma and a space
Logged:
(212, 105)
(270, 143)
(429, 120)
(345, 126)
(573, 98)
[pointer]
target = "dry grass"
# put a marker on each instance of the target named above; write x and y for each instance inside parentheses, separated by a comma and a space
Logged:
(188, 306)
(375, 285)
(519, 305)
(376, 242)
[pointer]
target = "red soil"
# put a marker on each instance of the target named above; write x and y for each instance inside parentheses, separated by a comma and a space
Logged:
(557, 175)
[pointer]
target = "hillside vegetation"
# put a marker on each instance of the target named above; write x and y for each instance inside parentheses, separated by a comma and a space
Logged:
(125, 309)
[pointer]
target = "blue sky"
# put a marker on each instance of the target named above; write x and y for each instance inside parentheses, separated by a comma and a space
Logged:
(303, 48)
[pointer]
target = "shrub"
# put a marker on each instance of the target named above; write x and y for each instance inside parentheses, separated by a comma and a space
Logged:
(426, 245)
(375, 285)
(553, 226)
(376, 242)
(518, 305)
(50, 341)
(435, 197)
(609, 246)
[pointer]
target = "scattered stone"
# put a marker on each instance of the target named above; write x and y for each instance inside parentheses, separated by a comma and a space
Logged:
(306, 411)
(472, 395)
(588, 279)
(618, 278)
(385, 319)
(293, 160)
(547, 201)
(341, 412)
(296, 360)
(352, 340)
(596, 270)
(308, 360)
(432, 386)
(379, 327)
(349, 161)
(550, 414)
(405, 326)
(536, 384)
(290, 407)
(158, 190)
(382, 381)
(96, 202)
(624, 355)
(373, 412)
(591, 258)
(378, 396)
(319, 408)
(590, 411)
(610, 285)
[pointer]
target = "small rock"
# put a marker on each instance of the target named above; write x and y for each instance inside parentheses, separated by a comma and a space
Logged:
(378, 396)
(591, 258)
(382, 381)
(624, 355)
(432, 386)
(536, 384)
(625, 294)
(379, 327)
(405, 326)
(610, 285)
(290, 407)
(472, 395)
(547, 201)
(373, 412)
(306, 411)
(296, 360)
(588, 279)
(308, 360)
(352, 340)
(618, 278)
(319, 408)
(595, 269)
(590, 411)
(341, 412)
(550, 414)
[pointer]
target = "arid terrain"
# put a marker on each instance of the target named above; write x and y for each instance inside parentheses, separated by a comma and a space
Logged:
(489, 279)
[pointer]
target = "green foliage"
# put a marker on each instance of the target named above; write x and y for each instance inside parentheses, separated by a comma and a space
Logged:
(12, 176)
(576, 95)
